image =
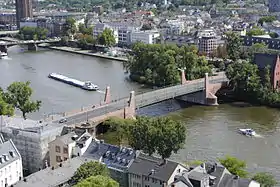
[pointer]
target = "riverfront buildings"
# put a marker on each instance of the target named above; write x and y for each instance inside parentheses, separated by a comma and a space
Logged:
(23, 10)
(274, 5)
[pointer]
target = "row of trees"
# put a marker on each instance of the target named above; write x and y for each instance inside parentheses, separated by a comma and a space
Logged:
(161, 135)
(32, 33)
(156, 64)
(18, 96)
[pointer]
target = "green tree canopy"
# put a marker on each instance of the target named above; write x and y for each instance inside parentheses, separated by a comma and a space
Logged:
(97, 181)
(5, 108)
(70, 27)
(265, 179)
(19, 96)
(255, 32)
(157, 135)
(107, 38)
(267, 19)
(233, 44)
(90, 169)
(32, 33)
(234, 166)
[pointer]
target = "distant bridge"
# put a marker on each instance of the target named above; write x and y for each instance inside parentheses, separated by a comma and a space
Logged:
(32, 44)
(8, 33)
(200, 91)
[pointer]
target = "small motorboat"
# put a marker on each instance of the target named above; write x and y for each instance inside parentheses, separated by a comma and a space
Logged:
(3, 55)
(247, 132)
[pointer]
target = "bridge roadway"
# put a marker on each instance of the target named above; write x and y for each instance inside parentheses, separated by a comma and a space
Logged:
(143, 100)
(20, 42)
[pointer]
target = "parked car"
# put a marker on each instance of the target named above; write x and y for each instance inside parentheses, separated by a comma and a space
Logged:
(63, 120)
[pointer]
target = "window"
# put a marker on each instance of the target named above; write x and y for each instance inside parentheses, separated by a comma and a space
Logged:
(65, 150)
(9, 169)
(58, 159)
(65, 158)
(57, 149)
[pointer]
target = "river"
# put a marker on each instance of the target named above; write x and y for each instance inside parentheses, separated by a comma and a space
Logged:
(211, 130)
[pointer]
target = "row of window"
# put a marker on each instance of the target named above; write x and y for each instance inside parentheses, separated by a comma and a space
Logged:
(58, 149)
(59, 159)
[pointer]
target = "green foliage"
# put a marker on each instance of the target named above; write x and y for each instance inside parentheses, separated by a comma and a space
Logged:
(265, 179)
(157, 135)
(194, 163)
(70, 27)
(85, 30)
(156, 64)
(233, 44)
(32, 33)
(19, 95)
(257, 48)
(97, 181)
(255, 32)
(5, 108)
(85, 41)
(273, 35)
(234, 166)
(88, 169)
(107, 38)
(267, 19)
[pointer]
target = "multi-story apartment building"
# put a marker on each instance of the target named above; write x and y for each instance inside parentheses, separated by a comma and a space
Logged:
(67, 146)
(147, 37)
(174, 27)
(10, 163)
(31, 139)
(23, 10)
(208, 42)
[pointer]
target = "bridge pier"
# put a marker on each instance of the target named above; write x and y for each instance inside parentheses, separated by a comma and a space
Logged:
(210, 98)
(107, 98)
(4, 48)
(32, 47)
(183, 77)
(130, 110)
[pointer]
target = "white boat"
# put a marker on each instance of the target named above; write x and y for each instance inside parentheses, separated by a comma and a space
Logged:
(247, 132)
(90, 86)
(3, 55)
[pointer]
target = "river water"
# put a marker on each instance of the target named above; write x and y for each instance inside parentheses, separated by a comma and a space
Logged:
(212, 131)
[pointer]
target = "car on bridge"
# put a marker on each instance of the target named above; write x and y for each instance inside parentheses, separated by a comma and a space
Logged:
(64, 120)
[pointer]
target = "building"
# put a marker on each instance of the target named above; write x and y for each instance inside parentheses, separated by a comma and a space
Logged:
(272, 43)
(147, 37)
(31, 139)
(10, 163)
(100, 27)
(274, 5)
(98, 9)
(273, 61)
(208, 42)
(210, 175)
(153, 172)
(53, 177)
(8, 18)
(23, 10)
(67, 146)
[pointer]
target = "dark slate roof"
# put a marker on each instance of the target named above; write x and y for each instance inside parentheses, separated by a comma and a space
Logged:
(230, 181)
(263, 60)
(194, 175)
(144, 165)
(113, 156)
(10, 151)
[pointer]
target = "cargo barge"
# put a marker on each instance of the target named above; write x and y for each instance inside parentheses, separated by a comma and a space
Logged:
(87, 85)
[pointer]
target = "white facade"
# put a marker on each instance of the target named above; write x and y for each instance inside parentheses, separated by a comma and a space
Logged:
(175, 27)
(147, 37)
(28, 24)
(100, 27)
(10, 164)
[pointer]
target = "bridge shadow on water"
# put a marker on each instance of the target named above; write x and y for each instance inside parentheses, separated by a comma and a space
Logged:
(163, 108)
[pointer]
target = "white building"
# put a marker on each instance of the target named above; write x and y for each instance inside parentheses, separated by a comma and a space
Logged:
(31, 139)
(147, 37)
(66, 146)
(10, 164)
(98, 28)
(175, 27)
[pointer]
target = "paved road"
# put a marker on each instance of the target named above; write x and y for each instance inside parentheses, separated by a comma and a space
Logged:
(142, 100)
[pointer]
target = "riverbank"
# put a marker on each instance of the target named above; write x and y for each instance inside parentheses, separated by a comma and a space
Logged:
(86, 52)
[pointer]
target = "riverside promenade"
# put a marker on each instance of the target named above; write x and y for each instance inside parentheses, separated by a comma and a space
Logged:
(87, 53)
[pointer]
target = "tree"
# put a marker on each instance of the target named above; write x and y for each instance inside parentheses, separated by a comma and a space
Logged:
(97, 181)
(267, 19)
(257, 48)
(265, 179)
(273, 35)
(233, 44)
(107, 38)
(70, 27)
(157, 135)
(255, 32)
(234, 166)
(88, 169)
(19, 96)
(5, 108)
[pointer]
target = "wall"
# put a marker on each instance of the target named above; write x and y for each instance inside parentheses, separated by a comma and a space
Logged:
(120, 177)
(54, 153)
(11, 173)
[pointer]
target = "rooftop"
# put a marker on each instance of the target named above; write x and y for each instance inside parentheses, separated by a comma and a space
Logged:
(113, 156)
(148, 165)
(49, 177)
(8, 153)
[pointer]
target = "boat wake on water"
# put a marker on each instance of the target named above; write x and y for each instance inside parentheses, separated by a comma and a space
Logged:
(100, 91)
(249, 133)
